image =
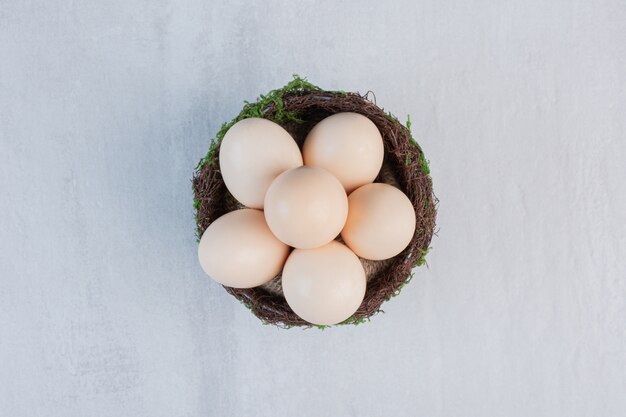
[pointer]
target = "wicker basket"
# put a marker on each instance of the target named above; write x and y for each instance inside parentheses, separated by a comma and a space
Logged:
(298, 107)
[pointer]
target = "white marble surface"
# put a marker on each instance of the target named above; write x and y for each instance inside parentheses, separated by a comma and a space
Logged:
(106, 106)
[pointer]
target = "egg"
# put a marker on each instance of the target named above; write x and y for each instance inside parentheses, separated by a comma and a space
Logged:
(252, 154)
(306, 207)
(239, 250)
(381, 221)
(324, 285)
(349, 145)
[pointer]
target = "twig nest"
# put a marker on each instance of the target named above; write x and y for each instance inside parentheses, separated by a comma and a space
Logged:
(298, 108)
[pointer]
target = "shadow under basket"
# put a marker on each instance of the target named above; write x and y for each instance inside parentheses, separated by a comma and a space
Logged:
(298, 107)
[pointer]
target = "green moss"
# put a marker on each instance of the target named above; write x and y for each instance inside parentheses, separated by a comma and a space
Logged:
(422, 260)
(352, 320)
(355, 321)
(424, 164)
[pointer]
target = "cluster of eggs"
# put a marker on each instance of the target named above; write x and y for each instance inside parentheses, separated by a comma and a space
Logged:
(297, 204)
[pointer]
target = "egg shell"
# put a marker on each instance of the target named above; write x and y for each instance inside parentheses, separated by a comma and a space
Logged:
(253, 153)
(324, 285)
(349, 145)
(381, 221)
(306, 207)
(239, 250)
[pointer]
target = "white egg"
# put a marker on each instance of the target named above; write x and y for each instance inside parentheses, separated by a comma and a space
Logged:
(324, 285)
(239, 250)
(348, 145)
(381, 221)
(306, 207)
(252, 154)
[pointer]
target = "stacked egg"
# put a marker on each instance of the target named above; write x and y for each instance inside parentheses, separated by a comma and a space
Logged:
(297, 204)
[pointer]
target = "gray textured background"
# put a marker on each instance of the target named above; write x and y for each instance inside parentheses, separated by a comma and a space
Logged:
(106, 106)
